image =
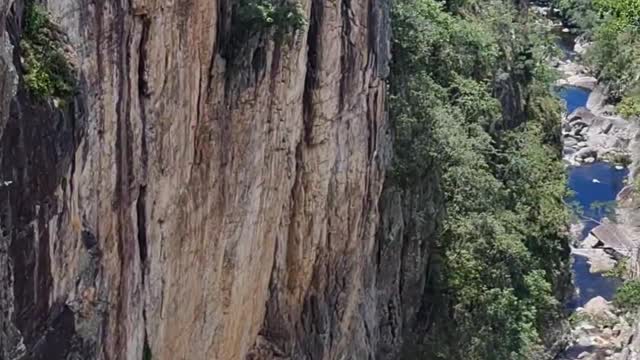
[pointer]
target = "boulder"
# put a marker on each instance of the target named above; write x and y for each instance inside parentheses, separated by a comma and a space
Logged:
(586, 152)
(570, 141)
(590, 241)
(597, 98)
(621, 128)
(600, 142)
(601, 125)
(581, 113)
(598, 307)
(615, 237)
(583, 81)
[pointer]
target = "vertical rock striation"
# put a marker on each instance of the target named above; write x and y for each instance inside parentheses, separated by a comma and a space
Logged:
(189, 204)
(408, 265)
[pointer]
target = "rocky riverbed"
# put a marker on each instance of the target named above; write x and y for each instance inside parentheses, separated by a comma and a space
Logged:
(593, 135)
(592, 131)
(599, 331)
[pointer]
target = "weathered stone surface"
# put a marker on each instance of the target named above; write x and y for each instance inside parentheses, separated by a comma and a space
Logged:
(408, 260)
(597, 136)
(199, 198)
(597, 307)
(614, 236)
(582, 81)
(583, 114)
(586, 152)
(590, 241)
(598, 98)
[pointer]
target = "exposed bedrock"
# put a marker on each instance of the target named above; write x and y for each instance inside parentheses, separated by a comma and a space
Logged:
(198, 198)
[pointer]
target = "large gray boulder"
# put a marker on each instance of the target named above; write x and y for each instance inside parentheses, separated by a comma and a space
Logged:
(598, 307)
(581, 113)
(582, 81)
(597, 98)
(586, 152)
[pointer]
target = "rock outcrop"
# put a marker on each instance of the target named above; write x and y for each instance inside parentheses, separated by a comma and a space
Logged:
(588, 137)
(193, 204)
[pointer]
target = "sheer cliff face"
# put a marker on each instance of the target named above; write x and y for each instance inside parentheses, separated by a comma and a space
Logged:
(188, 205)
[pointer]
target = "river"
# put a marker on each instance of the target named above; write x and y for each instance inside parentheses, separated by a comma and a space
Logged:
(591, 184)
(608, 182)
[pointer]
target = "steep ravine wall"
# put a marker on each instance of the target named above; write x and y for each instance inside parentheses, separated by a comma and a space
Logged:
(186, 205)
(408, 266)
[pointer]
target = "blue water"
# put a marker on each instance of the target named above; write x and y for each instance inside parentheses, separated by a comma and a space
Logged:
(591, 184)
(566, 41)
(586, 193)
(574, 97)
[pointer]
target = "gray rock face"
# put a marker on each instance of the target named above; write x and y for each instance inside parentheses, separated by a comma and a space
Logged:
(190, 201)
(583, 114)
(407, 260)
(597, 98)
(11, 342)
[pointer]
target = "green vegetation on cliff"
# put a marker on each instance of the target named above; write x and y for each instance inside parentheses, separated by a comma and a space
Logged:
(470, 101)
(47, 71)
(628, 296)
(253, 16)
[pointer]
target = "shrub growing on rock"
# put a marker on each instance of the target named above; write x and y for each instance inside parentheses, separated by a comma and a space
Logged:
(47, 71)
(628, 296)
(630, 106)
(254, 16)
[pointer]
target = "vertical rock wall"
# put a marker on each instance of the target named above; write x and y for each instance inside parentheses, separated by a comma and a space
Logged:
(408, 266)
(192, 205)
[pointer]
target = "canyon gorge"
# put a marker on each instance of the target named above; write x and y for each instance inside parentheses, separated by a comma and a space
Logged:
(308, 179)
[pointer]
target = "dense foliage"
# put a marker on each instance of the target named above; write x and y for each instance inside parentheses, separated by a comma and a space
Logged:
(628, 296)
(254, 16)
(614, 28)
(459, 72)
(47, 71)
